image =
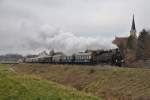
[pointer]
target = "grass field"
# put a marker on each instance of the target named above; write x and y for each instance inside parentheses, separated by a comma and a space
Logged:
(25, 87)
(107, 82)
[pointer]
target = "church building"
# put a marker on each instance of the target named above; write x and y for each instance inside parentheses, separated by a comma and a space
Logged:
(122, 42)
(128, 45)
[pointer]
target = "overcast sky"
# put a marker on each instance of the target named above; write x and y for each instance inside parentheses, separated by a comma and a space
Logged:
(28, 26)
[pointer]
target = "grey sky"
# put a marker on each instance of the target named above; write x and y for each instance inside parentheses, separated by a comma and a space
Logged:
(28, 26)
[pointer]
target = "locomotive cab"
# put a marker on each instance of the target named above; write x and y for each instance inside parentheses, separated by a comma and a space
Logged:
(118, 58)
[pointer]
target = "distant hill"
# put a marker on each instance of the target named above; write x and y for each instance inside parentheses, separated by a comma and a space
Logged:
(10, 57)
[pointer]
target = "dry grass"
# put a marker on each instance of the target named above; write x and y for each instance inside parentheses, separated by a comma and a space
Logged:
(27, 87)
(107, 82)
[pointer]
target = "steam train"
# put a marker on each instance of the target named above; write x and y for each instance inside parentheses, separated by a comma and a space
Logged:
(112, 57)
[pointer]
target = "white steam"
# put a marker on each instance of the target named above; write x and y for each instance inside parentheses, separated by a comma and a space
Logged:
(48, 38)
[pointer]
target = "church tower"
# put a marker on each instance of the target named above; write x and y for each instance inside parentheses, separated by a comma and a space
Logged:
(133, 29)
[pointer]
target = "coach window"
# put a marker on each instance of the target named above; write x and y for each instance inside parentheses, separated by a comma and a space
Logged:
(79, 57)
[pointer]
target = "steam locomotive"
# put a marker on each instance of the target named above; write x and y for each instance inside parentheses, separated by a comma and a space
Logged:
(112, 57)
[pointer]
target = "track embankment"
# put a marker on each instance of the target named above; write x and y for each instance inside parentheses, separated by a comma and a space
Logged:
(14, 86)
(111, 83)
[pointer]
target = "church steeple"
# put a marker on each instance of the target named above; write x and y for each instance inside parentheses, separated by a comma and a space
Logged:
(133, 28)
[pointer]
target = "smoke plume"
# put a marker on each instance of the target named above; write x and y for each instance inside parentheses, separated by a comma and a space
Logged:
(48, 38)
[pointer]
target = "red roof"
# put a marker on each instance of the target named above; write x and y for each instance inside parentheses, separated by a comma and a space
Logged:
(120, 40)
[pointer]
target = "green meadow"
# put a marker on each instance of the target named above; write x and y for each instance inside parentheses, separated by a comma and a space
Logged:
(110, 83)
(27, 87)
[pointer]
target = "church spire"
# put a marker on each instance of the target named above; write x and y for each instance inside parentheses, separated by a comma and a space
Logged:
(133, 28)
(133, 24)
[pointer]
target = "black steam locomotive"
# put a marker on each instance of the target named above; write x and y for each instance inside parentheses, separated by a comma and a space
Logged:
(112, 57)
